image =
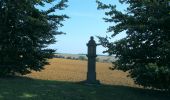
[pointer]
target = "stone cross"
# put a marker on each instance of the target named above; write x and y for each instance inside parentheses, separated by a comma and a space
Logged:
(91, 71)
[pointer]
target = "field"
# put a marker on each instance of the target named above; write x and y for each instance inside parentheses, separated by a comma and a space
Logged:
(61, 81)
(76, 70)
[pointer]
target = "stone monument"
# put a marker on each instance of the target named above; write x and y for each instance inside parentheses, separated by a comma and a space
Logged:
(91, 54)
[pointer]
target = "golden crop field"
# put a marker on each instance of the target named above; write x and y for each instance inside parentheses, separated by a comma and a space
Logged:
(76, 70)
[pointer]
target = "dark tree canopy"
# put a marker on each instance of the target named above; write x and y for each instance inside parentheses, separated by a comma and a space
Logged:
(145, 51)
(25, 32)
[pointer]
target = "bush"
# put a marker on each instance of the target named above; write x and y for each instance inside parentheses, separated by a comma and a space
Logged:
(81, 58)
(58, 56)
(68, 57)
(97, 59)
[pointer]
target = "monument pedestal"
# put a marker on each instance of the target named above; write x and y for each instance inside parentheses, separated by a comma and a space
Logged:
(91, 71)
(94, 82)
(91, 79)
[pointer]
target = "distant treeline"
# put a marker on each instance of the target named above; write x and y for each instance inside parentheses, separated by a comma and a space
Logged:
(81, 57)
(69, 57)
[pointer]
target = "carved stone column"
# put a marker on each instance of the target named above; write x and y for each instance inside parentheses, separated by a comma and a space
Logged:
(91, 71)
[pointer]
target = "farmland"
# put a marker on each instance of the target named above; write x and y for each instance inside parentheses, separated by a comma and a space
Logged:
(76, 70)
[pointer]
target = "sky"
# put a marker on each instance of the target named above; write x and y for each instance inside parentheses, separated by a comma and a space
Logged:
(85, 21)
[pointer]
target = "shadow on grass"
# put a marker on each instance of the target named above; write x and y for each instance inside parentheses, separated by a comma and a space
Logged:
(22, 88)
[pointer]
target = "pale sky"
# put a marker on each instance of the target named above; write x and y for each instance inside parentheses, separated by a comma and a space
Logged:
(85, 21)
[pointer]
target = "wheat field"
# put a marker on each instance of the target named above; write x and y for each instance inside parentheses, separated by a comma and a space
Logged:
(76, 70)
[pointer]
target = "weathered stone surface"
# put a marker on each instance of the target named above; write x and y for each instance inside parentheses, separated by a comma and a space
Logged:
(91, 71)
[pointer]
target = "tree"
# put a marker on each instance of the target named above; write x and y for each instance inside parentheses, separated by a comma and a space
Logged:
(145, 50)
(25, 33)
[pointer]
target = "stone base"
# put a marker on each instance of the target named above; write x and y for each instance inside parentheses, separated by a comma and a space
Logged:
(96, 82)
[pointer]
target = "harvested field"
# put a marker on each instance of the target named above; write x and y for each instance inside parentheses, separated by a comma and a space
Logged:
(75, 71)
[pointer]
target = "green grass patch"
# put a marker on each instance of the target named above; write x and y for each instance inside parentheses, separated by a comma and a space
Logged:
(32, 89)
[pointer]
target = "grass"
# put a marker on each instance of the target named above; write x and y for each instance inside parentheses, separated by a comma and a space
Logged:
(33, 89)
(61, 81)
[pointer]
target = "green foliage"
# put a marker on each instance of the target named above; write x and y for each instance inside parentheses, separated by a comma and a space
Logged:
(69, 57)
(82, 58)
(97, 59)
(25, 32)
(145, 51)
